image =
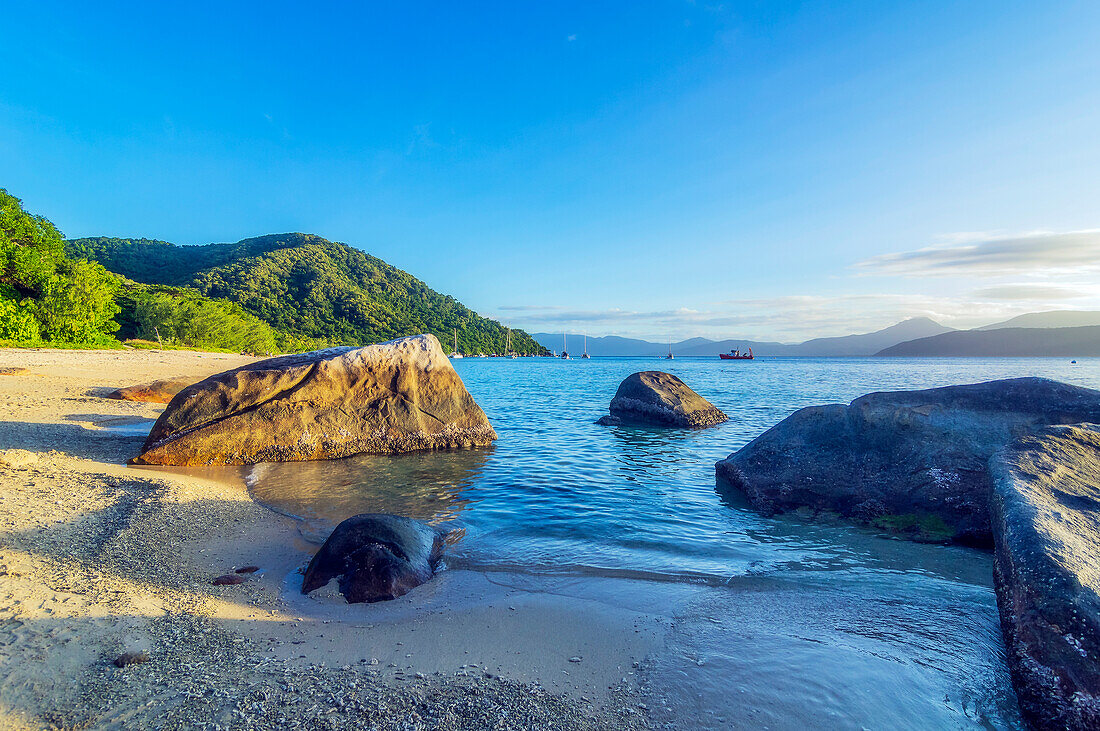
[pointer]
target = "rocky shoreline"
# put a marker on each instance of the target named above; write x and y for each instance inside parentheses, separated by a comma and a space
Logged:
(98, 560)
(998, 465)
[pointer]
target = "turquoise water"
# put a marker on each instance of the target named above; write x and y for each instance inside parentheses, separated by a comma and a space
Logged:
(776, 622)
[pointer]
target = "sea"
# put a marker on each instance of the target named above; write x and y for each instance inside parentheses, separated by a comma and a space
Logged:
(773, 622)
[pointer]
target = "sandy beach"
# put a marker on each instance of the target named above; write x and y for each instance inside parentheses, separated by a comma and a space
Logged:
(98, 559)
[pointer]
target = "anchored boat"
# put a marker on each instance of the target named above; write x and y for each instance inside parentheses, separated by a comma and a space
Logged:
(736, 355)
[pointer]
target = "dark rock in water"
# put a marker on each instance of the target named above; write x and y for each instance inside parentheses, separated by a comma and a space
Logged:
(247, 570)
(662, 399)
(377, 557)
(157, 392)
(131, 658)
(229, 579)
(911, 462)
(609, 421)
(400, 396)
(1045, 509)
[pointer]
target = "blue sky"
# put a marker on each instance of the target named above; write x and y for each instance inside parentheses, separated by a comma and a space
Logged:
(665, 169)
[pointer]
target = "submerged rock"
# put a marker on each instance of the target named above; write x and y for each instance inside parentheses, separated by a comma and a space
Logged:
(1045, 509)
(912, 462)
(377, 557)
(158, 392)
(400, 396)
(661, 399)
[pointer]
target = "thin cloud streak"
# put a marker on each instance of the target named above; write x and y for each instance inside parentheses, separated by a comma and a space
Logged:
(1032, 292)
(1040, 252)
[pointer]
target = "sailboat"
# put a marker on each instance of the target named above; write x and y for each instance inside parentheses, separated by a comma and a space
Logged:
(508, 346)
(585, 353)
(455, 355)
(669, 356)
(564, 352)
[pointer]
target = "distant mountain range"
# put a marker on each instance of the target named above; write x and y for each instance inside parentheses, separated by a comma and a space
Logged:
(865, 344)
(1008, 341)
(1057, 318)
(1057, 333)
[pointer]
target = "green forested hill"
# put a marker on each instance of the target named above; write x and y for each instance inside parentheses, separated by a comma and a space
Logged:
(308, 287)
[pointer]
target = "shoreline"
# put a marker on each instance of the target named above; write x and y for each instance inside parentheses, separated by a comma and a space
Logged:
(99, 559)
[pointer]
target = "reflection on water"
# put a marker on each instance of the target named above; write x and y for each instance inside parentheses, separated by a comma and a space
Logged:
(817, 624)
(428, 486)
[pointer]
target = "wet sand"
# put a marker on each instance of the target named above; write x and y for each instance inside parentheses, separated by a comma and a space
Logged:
(98, 559)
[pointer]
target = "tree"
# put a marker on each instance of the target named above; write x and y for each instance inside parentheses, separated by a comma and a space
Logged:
(71, 300)
(17, 320)
(78, 303)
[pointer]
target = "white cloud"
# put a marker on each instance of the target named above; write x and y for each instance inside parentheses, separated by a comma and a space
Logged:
(1033, 292)
(1039, 252)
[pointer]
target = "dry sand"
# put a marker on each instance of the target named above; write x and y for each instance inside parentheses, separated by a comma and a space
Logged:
(98, 559)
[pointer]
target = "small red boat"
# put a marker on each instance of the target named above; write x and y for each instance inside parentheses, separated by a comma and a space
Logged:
(736, 355)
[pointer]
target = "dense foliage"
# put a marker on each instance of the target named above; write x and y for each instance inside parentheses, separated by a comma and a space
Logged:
(44, 295)
(308, 288)
(181, 316)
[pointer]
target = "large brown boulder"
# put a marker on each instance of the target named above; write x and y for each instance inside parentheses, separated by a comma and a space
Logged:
(1046, 526)
(911, 462)
(376, 557)
(661, 399)
(400, 396)
(161, 391)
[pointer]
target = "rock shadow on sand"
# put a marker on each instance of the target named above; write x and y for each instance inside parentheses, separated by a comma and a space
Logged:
(73, 440)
